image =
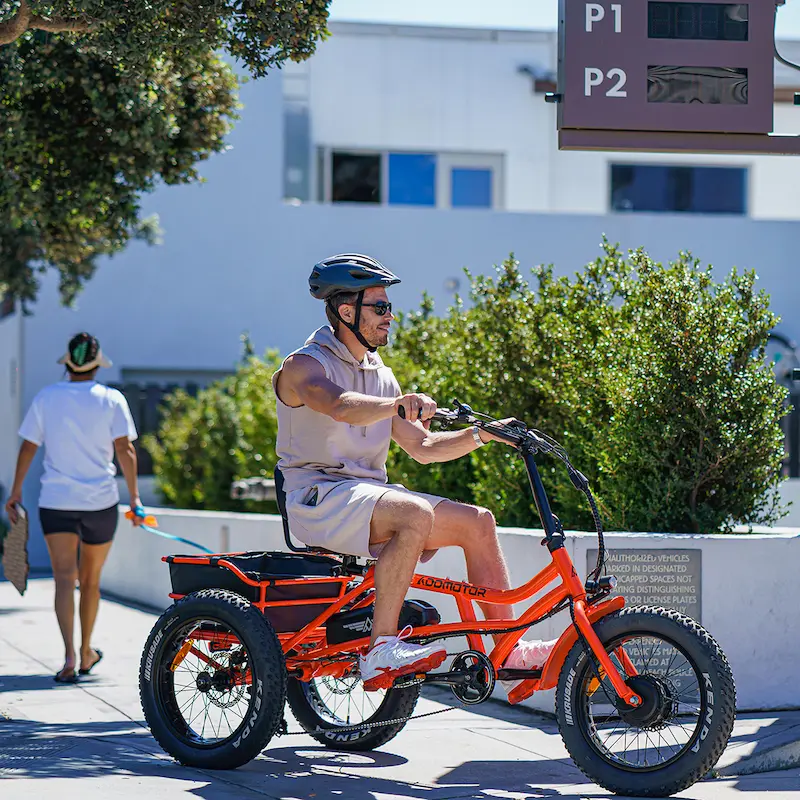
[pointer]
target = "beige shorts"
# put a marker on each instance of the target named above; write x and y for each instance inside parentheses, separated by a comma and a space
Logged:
(336, 515)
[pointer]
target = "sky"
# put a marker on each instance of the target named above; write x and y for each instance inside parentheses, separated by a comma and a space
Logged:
(542, 14)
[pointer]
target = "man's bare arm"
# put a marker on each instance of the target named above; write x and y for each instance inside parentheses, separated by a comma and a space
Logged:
(303, 382)
(428, 447)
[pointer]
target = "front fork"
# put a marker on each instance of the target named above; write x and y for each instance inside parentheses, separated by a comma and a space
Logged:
(584, 625)
(606, 664)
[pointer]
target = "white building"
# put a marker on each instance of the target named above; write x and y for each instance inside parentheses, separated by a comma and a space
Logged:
(431, 149)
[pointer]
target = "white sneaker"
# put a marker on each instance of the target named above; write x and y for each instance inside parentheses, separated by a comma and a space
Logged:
(391, 657)
(527, 655)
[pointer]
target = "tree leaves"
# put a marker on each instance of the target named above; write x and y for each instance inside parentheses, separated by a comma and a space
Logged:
(653, 378)
(81, 140)
(90, 120)
(262, 34)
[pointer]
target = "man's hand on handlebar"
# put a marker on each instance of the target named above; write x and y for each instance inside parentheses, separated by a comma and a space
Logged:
(415, 406)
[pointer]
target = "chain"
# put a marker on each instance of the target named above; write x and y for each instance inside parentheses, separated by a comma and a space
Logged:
(365, 726)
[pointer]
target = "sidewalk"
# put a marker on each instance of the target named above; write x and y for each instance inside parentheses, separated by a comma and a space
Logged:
(89, 740)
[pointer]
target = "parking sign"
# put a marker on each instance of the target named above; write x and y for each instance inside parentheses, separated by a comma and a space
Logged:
(667, 67)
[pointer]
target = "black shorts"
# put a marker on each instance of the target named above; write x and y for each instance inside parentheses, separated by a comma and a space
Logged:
(94, 527)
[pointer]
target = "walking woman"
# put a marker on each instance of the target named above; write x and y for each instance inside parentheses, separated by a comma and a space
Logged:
(81, 424)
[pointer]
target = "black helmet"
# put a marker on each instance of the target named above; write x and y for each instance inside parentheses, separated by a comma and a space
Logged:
(348, 272)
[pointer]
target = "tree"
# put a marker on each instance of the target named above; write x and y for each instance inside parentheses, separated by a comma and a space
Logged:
(100, 101)
(260, 33)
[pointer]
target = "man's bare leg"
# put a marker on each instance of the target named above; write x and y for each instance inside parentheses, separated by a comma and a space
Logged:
(406, 522)
(473, 529)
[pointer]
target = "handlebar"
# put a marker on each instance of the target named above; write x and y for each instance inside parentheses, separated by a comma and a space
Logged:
(515, 433)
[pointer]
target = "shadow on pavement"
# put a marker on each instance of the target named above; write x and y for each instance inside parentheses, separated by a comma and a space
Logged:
(29, 683)
(30, 750)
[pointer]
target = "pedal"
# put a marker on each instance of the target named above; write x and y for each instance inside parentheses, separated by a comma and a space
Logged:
(522, 692)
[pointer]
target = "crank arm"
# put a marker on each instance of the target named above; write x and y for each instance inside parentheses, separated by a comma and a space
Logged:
(447, 678)
(518, 674)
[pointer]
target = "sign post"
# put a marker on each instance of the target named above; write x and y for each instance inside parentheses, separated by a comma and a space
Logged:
(664, 75)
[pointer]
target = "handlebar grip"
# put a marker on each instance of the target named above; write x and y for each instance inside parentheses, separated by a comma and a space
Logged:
(401, 412)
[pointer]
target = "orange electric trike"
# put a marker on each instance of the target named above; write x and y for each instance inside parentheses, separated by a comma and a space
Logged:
(644, 699)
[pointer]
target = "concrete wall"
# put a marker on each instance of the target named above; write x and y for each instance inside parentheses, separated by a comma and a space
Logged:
(749, 586)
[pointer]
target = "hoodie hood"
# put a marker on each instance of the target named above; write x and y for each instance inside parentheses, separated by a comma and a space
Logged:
(325, 337)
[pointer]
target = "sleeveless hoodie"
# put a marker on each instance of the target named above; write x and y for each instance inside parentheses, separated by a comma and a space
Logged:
(313, 448)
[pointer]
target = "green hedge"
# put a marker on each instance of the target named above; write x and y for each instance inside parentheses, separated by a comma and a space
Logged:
(227, 432)
(653, 378)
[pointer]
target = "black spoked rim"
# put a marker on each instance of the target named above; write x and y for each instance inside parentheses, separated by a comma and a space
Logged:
(342, 701)
(206, 693)
(670, 719)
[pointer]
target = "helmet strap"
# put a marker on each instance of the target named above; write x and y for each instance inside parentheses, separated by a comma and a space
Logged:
(355, 326)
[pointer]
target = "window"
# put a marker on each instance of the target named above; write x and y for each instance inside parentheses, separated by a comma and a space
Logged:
(355, 178)
(696, 190)
(471, 188)
(432, 180)
(412, 179)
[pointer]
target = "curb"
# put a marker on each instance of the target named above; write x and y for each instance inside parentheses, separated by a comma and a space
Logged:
(782, 756)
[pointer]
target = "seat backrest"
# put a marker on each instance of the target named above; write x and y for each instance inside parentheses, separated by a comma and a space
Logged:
(280, 496)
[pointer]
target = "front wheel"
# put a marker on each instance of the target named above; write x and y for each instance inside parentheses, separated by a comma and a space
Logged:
(684, 723)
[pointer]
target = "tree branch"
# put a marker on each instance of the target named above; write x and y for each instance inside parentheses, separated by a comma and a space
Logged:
(59, 24)
(24, 20)
(13, 28)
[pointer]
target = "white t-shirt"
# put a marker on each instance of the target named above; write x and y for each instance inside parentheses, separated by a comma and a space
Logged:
(77, 422)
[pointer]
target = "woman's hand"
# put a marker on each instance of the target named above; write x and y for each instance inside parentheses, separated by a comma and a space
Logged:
(11, 506)
(137, 519)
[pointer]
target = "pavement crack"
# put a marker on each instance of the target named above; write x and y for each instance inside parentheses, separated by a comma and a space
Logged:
(481, 732)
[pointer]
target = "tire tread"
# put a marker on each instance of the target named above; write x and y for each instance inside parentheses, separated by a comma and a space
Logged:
(724, 705)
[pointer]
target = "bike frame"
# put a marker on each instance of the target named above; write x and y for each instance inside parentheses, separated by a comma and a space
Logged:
(309, 656)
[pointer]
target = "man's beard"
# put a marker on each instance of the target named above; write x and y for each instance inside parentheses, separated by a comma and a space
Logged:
(378, 338)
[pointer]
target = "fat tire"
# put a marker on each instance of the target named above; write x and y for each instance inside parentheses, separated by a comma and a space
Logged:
(398, 703)
(266, 656)
(706, 654)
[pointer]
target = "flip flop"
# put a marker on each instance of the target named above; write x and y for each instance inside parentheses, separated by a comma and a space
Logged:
(66, 676)
(89, 669)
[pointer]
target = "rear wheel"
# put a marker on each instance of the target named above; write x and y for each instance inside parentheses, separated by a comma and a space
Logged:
(689, 700)
(213, 680)
(324, 706)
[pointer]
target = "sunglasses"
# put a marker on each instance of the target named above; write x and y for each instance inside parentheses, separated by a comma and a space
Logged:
(381, 307)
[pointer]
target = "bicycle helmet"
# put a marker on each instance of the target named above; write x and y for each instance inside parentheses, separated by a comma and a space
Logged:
(349, 273)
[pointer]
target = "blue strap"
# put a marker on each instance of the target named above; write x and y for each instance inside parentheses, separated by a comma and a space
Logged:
(176, 538)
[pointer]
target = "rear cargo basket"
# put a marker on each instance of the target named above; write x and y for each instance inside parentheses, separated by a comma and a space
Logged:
(207, 573)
